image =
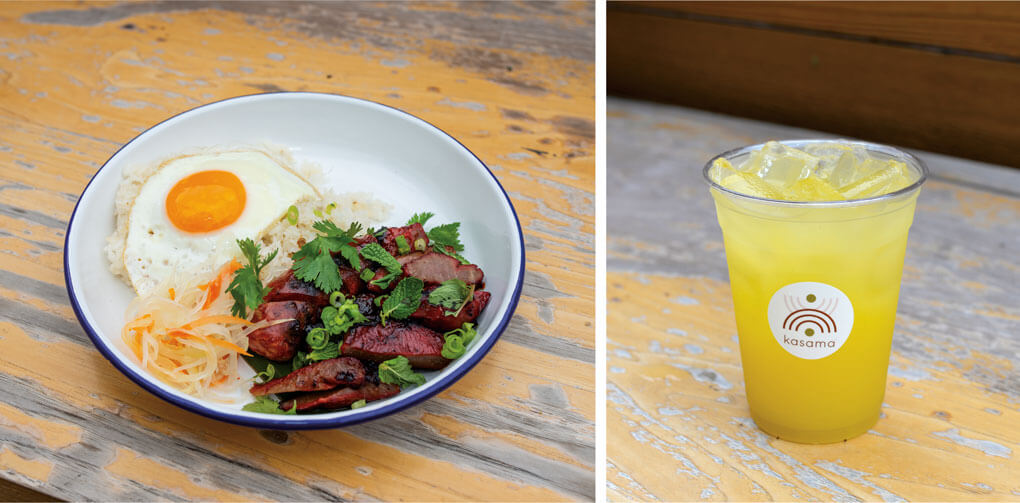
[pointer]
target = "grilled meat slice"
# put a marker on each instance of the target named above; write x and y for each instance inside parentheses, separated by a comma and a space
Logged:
(279, 342)
(435, 317)
(364, 240)
(323, 375)
(368, 309)
(288, 287)
(353, 284)
(411, 233)
(435, 268)
(422, 346)
(341, 397)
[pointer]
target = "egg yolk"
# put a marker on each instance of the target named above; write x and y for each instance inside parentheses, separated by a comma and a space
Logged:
(205, 201)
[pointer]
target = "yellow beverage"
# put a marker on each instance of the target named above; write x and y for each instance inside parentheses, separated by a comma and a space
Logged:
(815, 287)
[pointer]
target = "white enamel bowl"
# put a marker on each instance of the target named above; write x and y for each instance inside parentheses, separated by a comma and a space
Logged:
(361, 146)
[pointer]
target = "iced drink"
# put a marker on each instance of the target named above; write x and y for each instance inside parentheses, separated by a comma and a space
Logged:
(815, 233)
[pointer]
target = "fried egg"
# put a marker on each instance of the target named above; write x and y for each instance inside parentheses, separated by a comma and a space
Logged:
(188, 215)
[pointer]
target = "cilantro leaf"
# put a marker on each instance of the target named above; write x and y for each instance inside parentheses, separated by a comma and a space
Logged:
(350, 253)
(398, 371)
(420, 218)
(314, 261)
(450, 294)
(447, 235)
(442, 249)
(245, 287)
(403, 301)
(267, 405)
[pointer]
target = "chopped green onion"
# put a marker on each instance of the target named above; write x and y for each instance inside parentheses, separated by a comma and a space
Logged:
(367, 274)
(317, 338)
(317, 212)
(419, 244)
(330, 207)
(359, 404)
(292, 214)
(336, 298)
(402, 246)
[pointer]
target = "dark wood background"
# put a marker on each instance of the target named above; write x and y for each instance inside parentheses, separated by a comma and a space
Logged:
(939, 76)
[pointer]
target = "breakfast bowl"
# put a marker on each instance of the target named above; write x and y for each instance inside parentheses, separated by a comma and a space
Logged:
(360, 146)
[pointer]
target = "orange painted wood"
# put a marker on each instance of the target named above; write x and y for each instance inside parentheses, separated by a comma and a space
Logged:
(513, 82)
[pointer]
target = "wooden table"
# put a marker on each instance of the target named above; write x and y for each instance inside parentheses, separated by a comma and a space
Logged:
(513, 82)
(678, 423)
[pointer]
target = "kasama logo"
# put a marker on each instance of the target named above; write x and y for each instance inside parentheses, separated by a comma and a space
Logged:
(810, 320)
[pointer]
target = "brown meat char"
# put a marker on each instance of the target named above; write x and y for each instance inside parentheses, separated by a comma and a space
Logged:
(279, 342)
(288, 287)
(435, 317)
(435, 268)
(341, 397)
(322, 375)
(422, 346)
(353, 284)
(411, 233)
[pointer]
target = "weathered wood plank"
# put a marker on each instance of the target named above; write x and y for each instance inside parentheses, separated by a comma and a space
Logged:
(514, 82)
(677, 414)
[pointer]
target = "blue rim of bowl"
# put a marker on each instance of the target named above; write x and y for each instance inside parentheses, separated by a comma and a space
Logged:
(306, 422)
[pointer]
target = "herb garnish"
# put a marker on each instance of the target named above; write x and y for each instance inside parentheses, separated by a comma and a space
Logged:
(420, 218)
(457, 341)
(398, 371)
(450, 294)
(314, 262)
(403, 300)
(340, 319)
(267, 405)
(447, 235)
(246, 288)
(359, 404)
(376, 253)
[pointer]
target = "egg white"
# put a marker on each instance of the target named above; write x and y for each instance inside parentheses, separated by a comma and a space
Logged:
(155, 249)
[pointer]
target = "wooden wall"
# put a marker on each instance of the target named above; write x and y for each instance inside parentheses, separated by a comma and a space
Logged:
(931, 75)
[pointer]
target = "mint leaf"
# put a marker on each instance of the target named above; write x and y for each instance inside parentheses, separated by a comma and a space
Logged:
(332, 350)
(442, 249)
(376, 253)
(398, 371)
(450, 294)
(267, 405)
(403, 300)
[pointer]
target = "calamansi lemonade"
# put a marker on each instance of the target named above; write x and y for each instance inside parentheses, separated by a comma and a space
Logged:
(815, 235)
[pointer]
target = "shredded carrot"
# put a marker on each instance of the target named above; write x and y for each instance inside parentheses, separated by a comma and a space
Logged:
(217, 318)
(213, 287)
(172, 293)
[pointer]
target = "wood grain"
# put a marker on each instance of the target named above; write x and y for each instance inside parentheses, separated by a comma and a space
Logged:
(987, 29)
(513, 82)
(933, 98)
(678, 421)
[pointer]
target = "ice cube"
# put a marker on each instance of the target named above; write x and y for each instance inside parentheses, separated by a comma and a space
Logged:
(813, 188)
(721, 168)
(880, 181)
(750, 184)
(782, 166)
(843, 171)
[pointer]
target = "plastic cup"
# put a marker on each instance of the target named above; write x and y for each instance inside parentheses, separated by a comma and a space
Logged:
(815, 287)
